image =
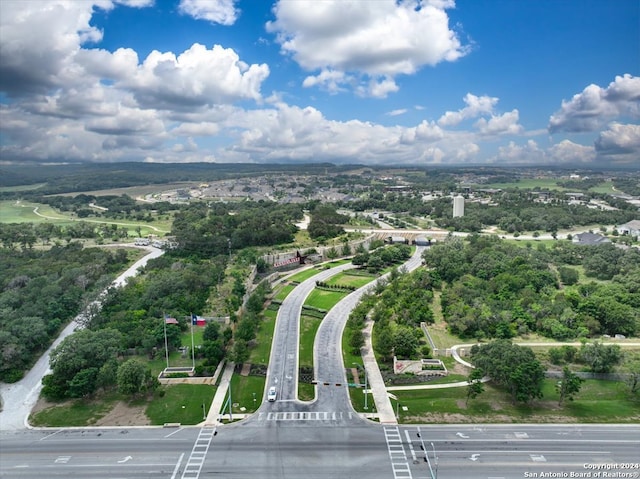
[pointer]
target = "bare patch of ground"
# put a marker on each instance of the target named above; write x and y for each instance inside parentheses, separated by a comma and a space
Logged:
(121, 414)
(124, 414)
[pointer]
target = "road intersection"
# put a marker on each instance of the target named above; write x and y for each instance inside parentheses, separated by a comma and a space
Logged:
(325, 438)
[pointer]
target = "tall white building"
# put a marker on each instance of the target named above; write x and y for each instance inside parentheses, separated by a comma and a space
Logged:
(458, 206)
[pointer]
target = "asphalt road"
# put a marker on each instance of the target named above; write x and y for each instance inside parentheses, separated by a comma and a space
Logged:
(294, 449)
(290, 439)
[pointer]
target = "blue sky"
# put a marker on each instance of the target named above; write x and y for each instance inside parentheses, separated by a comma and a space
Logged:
(432, 82)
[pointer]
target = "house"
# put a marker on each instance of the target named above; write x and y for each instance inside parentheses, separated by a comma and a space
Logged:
(590, 239)
(631, 228)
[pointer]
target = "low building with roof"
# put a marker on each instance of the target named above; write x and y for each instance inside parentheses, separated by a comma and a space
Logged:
(590, 239)
(631, 228)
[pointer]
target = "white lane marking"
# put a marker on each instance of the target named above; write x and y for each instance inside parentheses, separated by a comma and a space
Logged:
(175, 470)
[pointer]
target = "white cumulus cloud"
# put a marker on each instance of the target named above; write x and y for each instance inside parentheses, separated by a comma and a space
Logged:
(505, 124)
(594, 106)
(198, 76)
(223, 12)
(620, 143)
(379, 39)
(569, 152)
(476, 106)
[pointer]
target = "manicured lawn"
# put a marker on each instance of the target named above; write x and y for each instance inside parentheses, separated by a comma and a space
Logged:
(23, 212)
(308, 328)
(347, 279)
(181, 403)
(12, 212)
(303, 275)
(242, 393)
(283, 292)
(306, 392)
(324, 299)
(261, 352)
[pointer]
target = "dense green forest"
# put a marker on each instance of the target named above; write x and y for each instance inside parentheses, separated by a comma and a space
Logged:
(218, 228)
(498, 290)
(40, 291)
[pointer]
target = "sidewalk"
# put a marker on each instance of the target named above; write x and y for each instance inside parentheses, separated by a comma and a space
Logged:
(377, 387)
(213, 416)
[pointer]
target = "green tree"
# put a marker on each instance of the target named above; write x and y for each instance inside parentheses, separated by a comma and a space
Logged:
(383, 340)
(83, 384)
(475, 387)
(134, 378)
(356, 340)
(84, 349)
(405, 343)
(512, 367)
(568, 276)
(601, 358)
(568, 386)
(633, 379)
(240, 352)
(211, 331)
(525, 382)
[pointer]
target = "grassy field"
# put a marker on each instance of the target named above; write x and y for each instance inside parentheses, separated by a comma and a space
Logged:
(181, 403)
(11, 189)
(26, 212)
(303, 275)
(261, 352)
(308, 328)
(545, 183)
(75, 413)
(598, 401)
(283, 292)
(322, 299)
(348, 279)
(23, 212)
(243, 389)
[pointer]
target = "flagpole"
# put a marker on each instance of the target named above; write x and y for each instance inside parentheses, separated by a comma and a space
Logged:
(166, 347)
(193, 351)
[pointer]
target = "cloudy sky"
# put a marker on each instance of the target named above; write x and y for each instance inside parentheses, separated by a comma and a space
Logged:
(553, 82)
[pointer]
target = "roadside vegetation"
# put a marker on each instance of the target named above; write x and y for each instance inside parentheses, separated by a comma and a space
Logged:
(479, 289)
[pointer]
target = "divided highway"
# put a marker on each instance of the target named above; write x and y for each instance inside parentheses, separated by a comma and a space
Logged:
(290, 439)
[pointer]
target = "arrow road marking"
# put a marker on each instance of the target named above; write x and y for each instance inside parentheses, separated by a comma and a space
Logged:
(462, 435)
(474, 457)
(128, 458)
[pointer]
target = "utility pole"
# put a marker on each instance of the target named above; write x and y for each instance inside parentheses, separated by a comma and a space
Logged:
(426, 455)
(230, 402)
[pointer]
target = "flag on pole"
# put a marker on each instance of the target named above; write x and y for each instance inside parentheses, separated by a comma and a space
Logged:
(197, 320)
(169, 320)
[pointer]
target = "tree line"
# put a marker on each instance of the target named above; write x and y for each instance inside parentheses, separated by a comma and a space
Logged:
(40, 291)
(498, 290)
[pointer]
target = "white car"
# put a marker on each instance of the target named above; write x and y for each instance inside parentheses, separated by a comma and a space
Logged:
(271, 395)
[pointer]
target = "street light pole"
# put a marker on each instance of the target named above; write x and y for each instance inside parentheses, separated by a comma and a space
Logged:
(426, 456)
(435, 458)
(204, 412)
